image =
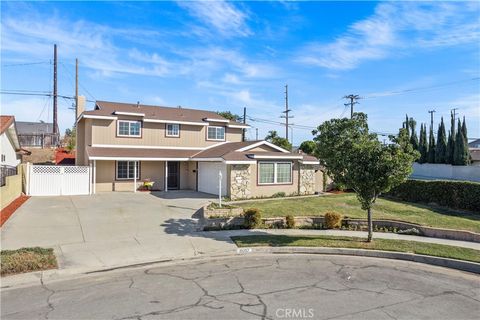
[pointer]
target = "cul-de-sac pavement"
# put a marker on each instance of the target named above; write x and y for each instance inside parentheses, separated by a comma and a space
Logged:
(257, 287)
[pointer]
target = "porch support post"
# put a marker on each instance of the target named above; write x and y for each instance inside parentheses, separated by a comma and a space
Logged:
(166, 176)
(134, 176)
(94, 176)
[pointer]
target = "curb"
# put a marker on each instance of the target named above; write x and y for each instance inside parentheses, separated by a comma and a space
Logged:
(51, 276)
(461, 265)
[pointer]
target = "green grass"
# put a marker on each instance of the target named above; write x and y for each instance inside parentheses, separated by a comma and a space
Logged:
(27, 260)
(348, 206)
(431, 249)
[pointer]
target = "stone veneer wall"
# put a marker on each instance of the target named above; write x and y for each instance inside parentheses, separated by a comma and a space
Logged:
(240, 181)
(306, 183)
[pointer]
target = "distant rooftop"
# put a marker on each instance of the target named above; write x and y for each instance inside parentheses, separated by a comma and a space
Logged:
(25, 127)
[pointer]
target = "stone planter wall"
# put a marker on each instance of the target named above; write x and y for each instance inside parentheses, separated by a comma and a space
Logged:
(279, 222)
(232, 212)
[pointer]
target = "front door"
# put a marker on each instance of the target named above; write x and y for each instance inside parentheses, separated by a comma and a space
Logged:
(173, 175)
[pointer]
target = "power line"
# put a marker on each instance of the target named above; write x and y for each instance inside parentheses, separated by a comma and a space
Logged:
(25, 64)
(72, 77)
(406, 91)
(39, 94)
(287, 110)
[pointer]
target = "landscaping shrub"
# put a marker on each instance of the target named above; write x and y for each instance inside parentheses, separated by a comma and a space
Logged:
(452, 194)
(332, 220)
(280, 194)
(26, 260)
(290, 221)
(253, 218)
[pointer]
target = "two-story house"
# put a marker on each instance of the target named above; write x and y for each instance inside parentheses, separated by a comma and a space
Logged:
(180, 148)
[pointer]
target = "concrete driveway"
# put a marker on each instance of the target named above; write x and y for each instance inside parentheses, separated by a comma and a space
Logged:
(112, 229)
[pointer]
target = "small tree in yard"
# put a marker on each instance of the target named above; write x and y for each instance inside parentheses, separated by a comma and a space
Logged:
(274, 138)
(307, 146)
(354, 157)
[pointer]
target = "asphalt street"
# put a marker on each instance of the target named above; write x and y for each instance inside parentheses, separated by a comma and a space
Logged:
(256, 287)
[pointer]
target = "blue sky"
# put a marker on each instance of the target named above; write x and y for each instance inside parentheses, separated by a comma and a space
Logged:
(230, 55)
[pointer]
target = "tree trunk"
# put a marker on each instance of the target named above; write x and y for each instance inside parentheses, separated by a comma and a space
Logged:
(370, 224)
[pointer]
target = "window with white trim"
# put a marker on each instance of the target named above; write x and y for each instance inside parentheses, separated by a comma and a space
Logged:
(216, 133)
(274, 172)
(125, 170)
(126, 128)
(173, 130)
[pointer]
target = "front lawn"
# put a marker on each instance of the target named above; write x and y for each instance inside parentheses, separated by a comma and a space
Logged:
(348, 206)
(431, 249)
(27, 260)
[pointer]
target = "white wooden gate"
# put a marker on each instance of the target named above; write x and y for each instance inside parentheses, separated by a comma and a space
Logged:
(58, 180)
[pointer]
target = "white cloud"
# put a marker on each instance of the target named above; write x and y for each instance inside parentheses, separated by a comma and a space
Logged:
(397, 27)
(224, 17)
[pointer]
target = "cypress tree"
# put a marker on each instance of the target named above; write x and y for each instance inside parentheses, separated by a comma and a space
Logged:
(406, 125)
(441, 149)
(450, 147)
(452, 144)
(413, 135)
(423, 148)
(431, 147)
(461, 155)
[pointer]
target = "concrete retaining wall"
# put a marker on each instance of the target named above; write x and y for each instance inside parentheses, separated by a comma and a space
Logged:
(12, 188)
(315, 221)
(445, 171)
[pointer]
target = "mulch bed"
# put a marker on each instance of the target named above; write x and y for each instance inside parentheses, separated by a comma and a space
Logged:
(11, 208)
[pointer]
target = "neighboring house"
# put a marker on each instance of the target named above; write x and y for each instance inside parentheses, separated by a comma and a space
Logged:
(474, 144)
(181, 148)
(9, 142)
(475, 156)
(37, 134)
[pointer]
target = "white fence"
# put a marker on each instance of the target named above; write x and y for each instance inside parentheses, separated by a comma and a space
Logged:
(58, 180)
(445, 172)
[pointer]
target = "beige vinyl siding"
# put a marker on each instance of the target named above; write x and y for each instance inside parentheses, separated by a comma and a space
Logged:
(84, 138)
(268, 190)
(153, 134)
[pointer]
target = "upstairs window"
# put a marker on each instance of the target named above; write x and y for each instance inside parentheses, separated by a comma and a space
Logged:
(216, 133)
(127, 128)
(173, 130)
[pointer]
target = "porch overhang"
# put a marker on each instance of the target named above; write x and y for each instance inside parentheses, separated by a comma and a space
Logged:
(138, 154)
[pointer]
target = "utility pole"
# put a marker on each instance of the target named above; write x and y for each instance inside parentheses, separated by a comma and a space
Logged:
(353, 100)
(431, 117)
(244, 122)
(454, 113)
(286, 116)
(76, 88)
(55, 124)
(256, 134)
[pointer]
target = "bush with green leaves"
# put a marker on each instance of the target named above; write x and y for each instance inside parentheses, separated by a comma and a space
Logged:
(332, 220)
(452, 194)
(280, 194)
(253, 218)
(290, 221)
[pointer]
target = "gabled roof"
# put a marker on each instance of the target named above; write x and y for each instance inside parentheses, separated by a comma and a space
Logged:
(8, 126)
(5, 123)
(25, 127)
(474, 144)
(158, 113)
(228, 152)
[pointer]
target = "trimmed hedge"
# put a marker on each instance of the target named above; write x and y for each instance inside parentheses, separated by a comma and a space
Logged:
(452, 194)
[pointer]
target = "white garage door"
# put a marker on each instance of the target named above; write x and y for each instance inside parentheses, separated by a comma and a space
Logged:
(208, 177)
